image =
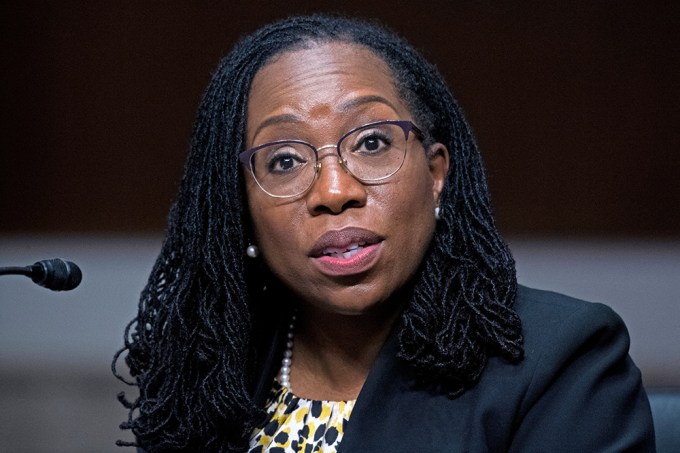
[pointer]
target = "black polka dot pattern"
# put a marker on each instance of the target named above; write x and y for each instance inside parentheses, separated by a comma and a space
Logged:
(299, 425)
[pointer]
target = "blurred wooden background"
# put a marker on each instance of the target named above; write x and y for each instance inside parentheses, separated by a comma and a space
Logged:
(574, 104)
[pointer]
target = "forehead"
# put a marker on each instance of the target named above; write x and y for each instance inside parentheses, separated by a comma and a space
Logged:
(318, 81)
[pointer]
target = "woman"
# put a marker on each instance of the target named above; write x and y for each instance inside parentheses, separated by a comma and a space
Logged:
(332, 279)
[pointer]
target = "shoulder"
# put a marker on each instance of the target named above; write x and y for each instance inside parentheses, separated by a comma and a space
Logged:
(562, 334)
(539, 305)
(578, 377)
(560, 330)
(553, 321)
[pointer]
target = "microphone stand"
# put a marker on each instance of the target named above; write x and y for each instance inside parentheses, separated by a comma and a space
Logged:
(16, 270)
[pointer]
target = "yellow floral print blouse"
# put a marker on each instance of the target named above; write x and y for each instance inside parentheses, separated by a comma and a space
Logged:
(300, 425)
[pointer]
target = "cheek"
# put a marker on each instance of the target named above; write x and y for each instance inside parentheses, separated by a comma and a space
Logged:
(268, 224)
(275, 225)
(263, 222)
(260, 206)
(409, 206)
(414, 201)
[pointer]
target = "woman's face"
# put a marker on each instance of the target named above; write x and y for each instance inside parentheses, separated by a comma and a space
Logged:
(343, 246)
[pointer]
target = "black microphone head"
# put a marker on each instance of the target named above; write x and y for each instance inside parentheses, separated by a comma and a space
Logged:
(56, 274)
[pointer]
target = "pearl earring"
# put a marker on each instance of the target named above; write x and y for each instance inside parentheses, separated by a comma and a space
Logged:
(437, 213)
(252, 251)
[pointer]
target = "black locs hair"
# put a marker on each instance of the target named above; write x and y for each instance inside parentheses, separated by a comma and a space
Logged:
(191, 348)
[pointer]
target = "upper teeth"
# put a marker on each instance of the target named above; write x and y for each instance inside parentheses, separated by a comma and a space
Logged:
(346, 252)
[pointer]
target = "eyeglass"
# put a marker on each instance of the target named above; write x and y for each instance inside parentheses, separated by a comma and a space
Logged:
(370, 153)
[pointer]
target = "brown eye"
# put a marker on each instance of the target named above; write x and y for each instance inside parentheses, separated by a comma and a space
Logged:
(283, 159)
(373, 142)
(284, 163)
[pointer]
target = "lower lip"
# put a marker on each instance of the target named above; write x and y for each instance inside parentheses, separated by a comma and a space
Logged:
(356, 264)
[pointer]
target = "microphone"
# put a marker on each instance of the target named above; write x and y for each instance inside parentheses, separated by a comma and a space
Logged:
(55, 274)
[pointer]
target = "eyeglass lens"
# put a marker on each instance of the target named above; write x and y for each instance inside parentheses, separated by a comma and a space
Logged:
(370, 153)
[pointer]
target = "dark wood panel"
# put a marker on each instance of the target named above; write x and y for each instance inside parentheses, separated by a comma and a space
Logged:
(575, 106)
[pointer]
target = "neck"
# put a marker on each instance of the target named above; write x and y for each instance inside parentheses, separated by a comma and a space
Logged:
(333, 353)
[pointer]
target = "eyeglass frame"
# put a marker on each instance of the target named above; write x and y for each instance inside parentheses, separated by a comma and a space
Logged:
(406, 125)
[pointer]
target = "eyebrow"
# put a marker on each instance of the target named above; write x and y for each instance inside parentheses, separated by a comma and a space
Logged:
(345, 106)
(368, 99)
(278, 119)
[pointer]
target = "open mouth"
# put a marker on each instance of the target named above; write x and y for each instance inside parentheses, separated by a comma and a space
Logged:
(349, 251)
(344, 243)
(345, 252)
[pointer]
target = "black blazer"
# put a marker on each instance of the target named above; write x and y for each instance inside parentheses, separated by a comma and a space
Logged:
(576, 390)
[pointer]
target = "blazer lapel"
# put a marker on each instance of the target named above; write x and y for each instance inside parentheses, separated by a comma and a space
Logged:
(387, 380)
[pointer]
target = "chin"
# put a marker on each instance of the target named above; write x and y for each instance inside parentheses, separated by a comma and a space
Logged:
(359, 304)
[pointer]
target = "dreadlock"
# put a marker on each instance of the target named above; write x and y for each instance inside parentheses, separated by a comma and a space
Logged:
(191, 348)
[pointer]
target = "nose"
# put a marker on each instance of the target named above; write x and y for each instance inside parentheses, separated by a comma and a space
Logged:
(335, 189)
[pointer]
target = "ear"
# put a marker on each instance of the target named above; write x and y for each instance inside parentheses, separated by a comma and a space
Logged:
(438, 155)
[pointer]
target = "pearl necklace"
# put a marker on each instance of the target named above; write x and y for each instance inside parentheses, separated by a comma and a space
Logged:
(284, 374)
